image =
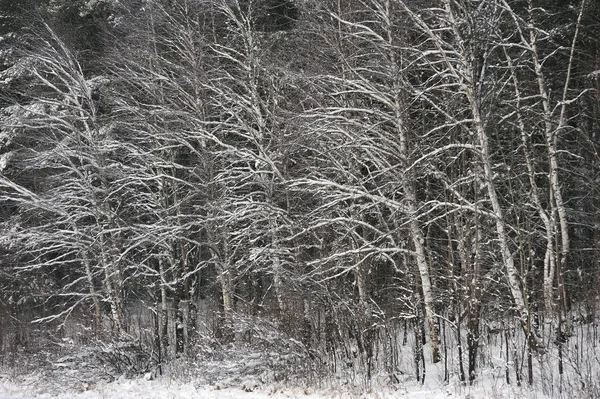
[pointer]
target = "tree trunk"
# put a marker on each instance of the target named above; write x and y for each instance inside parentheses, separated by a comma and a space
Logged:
(365, 321)
(418, 241)
(90, 280)
(227, 292)
(465, 73)
(164, 311)
(512, 274)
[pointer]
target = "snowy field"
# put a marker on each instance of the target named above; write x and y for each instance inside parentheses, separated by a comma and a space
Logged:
(164, 389)
(247, 372)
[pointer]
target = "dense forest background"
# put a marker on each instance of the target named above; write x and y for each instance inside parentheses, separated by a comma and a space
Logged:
(354, 176)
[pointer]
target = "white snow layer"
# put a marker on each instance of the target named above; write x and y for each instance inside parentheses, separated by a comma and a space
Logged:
(166, 389)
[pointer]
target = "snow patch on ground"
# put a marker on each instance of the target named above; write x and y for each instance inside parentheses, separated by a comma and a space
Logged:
(170, 389)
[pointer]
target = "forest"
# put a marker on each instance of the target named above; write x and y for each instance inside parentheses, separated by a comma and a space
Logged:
(381, 188)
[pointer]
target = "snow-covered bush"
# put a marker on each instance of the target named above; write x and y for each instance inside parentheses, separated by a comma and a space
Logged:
(125, 357)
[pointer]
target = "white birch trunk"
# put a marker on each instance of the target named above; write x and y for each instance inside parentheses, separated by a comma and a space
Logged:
(552, 129)
(548, 217)
(418, 240)
(512, 274)
(466, 75)
(164, 310)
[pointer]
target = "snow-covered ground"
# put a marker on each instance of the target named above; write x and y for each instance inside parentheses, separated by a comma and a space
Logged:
(273, 368)
(165, 389)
